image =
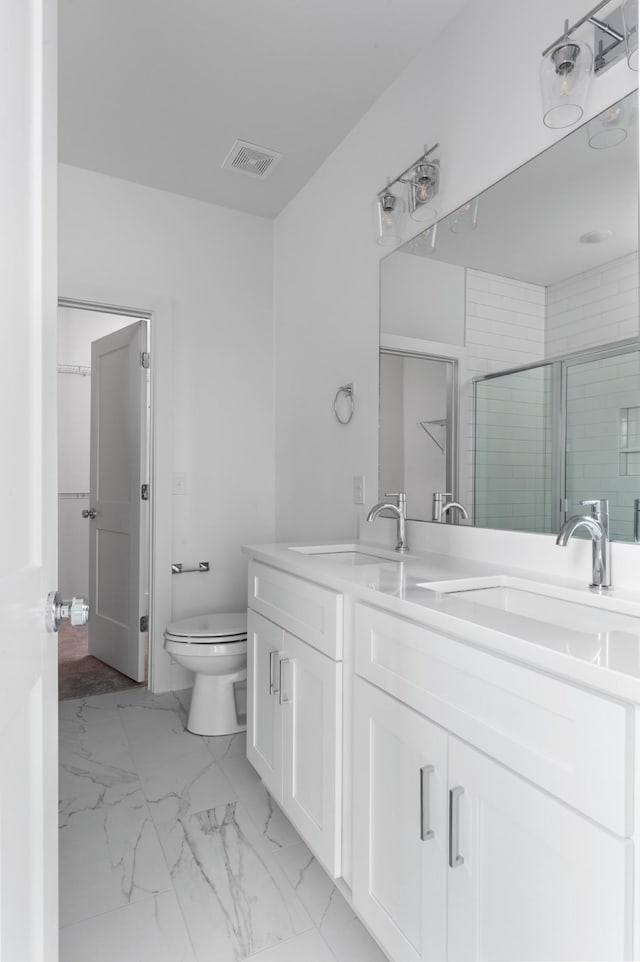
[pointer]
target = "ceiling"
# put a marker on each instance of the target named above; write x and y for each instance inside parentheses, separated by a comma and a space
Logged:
(157, 91)
(530, 224)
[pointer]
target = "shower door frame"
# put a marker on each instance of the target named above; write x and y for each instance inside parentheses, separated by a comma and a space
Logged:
(559, 370)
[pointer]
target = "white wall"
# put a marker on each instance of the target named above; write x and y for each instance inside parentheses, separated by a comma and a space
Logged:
(214, 266)
(476, 92)
(422, 298)
(391, 468)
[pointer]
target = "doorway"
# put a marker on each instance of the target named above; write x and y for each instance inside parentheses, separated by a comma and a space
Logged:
(417, 428)
(95, 426)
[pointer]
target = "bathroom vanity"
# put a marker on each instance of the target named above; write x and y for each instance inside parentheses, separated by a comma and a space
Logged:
(457, 744)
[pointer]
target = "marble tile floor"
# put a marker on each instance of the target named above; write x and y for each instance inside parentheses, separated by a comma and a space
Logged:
(171, 850)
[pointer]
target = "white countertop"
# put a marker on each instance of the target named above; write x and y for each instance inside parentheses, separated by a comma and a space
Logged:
(608, 662)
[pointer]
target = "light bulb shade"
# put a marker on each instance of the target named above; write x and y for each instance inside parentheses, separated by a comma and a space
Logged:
(565, 74)
(390, 211)
(630, 23)
(465, 218)
(607, 129)
(423, 187)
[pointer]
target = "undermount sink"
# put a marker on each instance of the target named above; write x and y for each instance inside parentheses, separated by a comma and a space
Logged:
(347, 554)
(536, 602)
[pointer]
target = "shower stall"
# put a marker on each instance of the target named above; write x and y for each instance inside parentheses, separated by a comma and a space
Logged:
(557, 432)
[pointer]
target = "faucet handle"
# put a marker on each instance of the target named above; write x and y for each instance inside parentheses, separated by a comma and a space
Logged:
(400, 495)
(598, 506)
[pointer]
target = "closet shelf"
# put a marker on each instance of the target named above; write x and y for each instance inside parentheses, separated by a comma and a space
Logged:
(438, 422)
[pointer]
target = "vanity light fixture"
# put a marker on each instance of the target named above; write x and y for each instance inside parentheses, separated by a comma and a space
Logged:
(568, 64)
(422, 180)
(607, 129)
(390, 217)
(565, 73)
(465, 218)
(630, 26)
(423, 244)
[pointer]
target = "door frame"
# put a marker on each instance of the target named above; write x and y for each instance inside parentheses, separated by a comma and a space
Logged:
(157, 312)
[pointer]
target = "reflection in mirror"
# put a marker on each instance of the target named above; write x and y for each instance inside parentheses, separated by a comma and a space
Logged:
(417, 427)
(537, 276)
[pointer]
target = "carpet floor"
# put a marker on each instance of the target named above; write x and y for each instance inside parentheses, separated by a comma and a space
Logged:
(79, 673)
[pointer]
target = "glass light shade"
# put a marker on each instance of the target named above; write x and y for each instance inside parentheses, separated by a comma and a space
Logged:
(607, 129)
(630, 22)
(565, 73)
(390, 219)
(423, 187)
(465, 218)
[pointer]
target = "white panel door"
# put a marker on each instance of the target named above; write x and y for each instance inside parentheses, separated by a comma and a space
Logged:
(28, 522)
(311, 696)
(537, 880)
(118, 567)
(399, 826)
(265, 642)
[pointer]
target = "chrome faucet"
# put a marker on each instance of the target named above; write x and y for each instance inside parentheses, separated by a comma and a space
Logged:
(400, 511)
(440, 507)
(597, 524)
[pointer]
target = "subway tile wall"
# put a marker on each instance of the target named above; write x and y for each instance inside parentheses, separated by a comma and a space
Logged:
(505, 328)
(514, 479)
(511, 323)
(597, 307)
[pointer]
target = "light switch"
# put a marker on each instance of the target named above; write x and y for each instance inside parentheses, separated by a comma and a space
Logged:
(179, 482)
(358, 489)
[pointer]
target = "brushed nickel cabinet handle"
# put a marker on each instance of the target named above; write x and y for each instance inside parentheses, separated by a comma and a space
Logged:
(272, 685)
(425, 818)
(281, 695)
(455, 858)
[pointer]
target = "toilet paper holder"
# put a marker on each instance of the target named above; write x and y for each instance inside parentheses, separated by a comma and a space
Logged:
(182, 568)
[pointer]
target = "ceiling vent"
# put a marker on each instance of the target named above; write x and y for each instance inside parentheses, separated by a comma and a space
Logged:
(251, 160)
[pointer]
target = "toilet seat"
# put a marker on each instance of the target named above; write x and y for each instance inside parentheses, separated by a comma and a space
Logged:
(214, 648)
(216, 629)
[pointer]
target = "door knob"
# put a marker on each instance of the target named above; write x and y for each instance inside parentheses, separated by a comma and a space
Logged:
(89, 512)
(76, 610)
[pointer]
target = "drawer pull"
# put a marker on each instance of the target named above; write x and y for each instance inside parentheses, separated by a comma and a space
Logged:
(455, 858)
(272, 685)
(283, 700)
(425, 817)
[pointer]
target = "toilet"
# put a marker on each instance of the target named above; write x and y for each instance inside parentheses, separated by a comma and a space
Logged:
(214, 647)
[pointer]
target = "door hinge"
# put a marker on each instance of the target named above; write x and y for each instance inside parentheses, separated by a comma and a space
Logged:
(144, 492)
(145, 360)
(144, 623)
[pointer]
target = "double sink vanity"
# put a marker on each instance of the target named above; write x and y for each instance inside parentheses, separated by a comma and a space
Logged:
(457, 744)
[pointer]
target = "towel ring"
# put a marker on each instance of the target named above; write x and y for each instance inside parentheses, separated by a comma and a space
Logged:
(347, 390)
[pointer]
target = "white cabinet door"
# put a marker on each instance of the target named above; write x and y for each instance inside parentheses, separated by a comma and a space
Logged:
(265, 643)
(538, 880)
(312, 722)
(399, 826)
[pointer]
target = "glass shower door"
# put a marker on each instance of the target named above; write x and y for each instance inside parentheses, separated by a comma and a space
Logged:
(514, 463)
(602, 436)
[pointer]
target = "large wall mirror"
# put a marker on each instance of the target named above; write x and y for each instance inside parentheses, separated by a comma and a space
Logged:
(510, 343)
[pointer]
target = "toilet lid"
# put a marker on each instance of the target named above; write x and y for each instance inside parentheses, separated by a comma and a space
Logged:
(229, 625)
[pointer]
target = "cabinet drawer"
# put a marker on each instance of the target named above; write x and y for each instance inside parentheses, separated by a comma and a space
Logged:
(571, 742)
(307, 610)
